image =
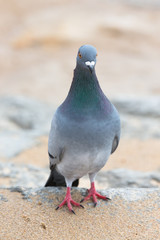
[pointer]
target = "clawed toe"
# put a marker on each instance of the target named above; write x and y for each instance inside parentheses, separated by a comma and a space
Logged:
(95, 204)
(108, 199)
(81, 206)
(91, 194)
(73, 211)
(69, 202)
(94, 194)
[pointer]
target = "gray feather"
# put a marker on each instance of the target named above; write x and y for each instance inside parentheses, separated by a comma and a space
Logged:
(85, 129)
(115, 144)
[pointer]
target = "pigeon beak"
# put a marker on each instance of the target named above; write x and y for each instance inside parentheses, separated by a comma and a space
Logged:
(90, 65)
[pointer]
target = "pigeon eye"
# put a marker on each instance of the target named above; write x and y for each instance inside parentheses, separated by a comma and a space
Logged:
(96, 54)
(80, 56)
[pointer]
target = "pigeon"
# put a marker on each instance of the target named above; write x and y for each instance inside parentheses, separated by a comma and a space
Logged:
(85, 130)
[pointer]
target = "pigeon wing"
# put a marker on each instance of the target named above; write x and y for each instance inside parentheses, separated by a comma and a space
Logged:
(55, 150)
(115, 144)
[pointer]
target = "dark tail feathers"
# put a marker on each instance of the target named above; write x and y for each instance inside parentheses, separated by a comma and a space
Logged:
(57, 180)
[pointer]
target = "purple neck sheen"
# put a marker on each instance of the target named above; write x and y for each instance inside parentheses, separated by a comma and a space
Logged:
(85, 98)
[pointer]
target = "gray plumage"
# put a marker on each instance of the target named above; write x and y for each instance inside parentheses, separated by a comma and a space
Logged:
(85, 128)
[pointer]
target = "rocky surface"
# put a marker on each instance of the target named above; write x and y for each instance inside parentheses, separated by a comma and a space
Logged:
(140, 117)
(122, 178)
(22, 120)
(142, 107)
(15, 175)
(131, 214)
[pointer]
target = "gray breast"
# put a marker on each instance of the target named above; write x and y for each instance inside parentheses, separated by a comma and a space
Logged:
(90, 133)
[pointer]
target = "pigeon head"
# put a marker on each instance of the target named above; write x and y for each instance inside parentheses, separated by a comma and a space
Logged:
(86, 57)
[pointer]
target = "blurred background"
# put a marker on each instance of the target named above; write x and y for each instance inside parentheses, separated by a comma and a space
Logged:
(39, 41)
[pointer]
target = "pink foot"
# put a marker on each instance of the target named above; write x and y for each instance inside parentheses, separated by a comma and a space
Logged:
(92, 193)
(69, 201)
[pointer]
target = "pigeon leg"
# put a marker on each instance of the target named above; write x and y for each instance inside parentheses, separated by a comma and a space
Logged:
(93, 193)
(69, 201)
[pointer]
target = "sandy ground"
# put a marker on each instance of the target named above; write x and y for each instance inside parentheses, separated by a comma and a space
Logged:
(120, 218)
